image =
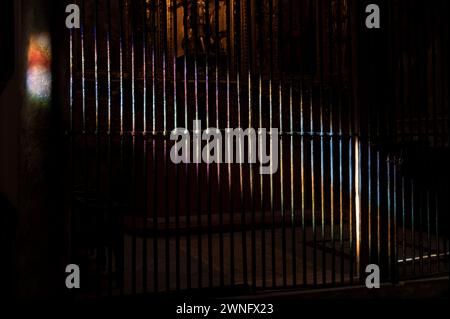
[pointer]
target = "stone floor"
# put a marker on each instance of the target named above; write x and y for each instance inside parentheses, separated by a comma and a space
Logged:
(329, 261)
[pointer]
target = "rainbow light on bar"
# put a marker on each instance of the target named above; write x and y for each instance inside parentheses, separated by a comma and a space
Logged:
(39, 78)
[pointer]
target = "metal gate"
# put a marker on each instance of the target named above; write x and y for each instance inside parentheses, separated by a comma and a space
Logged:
(342, 197)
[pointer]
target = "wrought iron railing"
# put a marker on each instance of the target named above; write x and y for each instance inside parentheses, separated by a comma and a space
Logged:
(341, 199)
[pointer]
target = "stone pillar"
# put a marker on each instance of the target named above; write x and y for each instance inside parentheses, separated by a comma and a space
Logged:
(39, 235)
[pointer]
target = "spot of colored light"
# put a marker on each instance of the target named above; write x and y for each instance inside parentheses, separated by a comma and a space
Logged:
(39, 78)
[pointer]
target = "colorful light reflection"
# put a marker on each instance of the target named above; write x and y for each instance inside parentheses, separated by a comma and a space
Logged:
(39, 78)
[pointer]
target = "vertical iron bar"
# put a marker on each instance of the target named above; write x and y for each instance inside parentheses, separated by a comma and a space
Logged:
(166, 163)
(350, 196)
(272, 208)
(71, 125)
(401, 137)
(424, 113)
(133, 152)
(121, 71)
(322, 189)
(341, 142)
(96, 96)
(187, 185)
(413, 231)
(395, 199)
(313, 202)
(219, 184)
(445, 98)
(434, 124)
(332, 137)
(108, 62)
(175, 122)
(421, 229)
(436, 130)
(446, 254)
(350, 146)
(194, 18)
(83, 84)
(378, 209)
(302, 189)
(241, 177)
(322, 165)
(358, 204)
(230, 180)
(341, 189)
(145, 140)
(249, 26)
(389, 214)
(208, 174)
(418, 73)
(315, 14)
(428, 126)
(293, 224)
(447, 31)
(261, 177)
(71, 135)
(85, 160)
(97, 142)
(403, 227)
(290, 28)
(238, 93)
(369, 194)
(378, 191)
(370, 234)
(403, 114)
(283, 217)
(154, 167)
(438, 251)
(97, 139)
(428, 231)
